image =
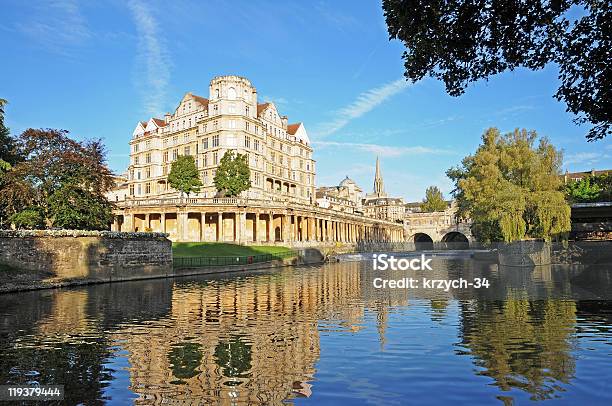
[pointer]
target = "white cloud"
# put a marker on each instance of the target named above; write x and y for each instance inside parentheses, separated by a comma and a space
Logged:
(385, 150)
(364, 103)
(57, 25)
(585, 158)
(152, 57)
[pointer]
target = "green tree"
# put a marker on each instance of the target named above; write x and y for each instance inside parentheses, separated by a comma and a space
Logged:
(233, 174)
(434, 200)
(184, 175)
(8, 152)
(583, 191)
(29, 219)
(464, 41)
(63, 179)
(510, 189)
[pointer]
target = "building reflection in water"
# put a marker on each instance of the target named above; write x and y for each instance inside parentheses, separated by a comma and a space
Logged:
(255, 339)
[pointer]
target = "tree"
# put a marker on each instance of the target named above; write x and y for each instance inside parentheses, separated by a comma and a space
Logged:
(8, 153)
(463, 41)
(63, 179)
(583, 190)
(597, 188)
(184, 175)
(512, 190)
(434, 200)
(233, 174)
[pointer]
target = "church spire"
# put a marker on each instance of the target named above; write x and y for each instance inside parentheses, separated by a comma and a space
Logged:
(379, 188)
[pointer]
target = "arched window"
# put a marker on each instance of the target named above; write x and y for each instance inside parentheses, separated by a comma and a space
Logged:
(231, 93)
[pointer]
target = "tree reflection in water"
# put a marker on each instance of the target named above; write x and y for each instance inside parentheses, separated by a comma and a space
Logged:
(185, 359)
(522, 344)
(304, 335)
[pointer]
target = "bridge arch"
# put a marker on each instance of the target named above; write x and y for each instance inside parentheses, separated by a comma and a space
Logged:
(455, 240)
(422, 241)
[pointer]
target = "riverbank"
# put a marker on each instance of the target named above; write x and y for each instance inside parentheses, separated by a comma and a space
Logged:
(188, 258)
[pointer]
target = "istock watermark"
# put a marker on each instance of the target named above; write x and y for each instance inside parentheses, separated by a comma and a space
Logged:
(385, 262)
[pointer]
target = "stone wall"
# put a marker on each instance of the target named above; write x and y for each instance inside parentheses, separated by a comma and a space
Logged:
(524, 253)
(88, 255)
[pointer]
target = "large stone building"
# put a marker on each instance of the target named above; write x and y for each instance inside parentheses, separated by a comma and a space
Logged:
(280, 205)
(279, 153)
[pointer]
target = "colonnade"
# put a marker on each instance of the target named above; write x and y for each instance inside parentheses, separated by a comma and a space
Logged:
(257, 226)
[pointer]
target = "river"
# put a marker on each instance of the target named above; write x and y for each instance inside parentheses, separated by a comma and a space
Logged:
(320, 335)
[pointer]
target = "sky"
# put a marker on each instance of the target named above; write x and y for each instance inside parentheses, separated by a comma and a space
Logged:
(97, 68)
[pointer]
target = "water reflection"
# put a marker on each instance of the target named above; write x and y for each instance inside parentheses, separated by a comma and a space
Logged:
(319, 335)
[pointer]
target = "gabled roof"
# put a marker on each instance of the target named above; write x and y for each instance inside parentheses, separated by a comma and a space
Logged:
(159, 122)
(261, 107)
(292, 128)
(202, 100)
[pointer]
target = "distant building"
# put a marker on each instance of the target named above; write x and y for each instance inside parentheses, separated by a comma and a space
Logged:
(345, 197)
(378, 205)
(577, 176)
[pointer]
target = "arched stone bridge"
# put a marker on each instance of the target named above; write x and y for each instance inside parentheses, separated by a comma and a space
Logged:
(437, 227)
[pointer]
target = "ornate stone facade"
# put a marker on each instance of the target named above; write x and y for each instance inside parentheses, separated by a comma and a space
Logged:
(231, 118)
(280, 205)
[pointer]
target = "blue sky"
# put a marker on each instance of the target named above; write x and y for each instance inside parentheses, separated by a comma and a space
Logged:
(96, 68)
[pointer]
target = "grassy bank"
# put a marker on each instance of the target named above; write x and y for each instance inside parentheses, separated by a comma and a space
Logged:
(211, 249)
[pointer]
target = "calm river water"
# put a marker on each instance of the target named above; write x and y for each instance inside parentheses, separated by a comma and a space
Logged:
(319, 335)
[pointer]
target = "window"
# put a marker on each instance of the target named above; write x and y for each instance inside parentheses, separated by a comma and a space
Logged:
(205, 143)
(135, 147)
(186, 137)
(215, 158)
(165, 170)
(175, 154)
(232, 124)
(205, 160)
(215, 141)
(216, 109)
(246, 111)
(256, 145)
(148, 158)
(148, 173)
(231, 93)
(247, 126)
(136, 159)
(187, 150)
(165, 143)
(247, 142)
(138, 175)
(131, 190)
(165, 156)
(147, 188)
(174, 140)
(139, 189)
(148, 144)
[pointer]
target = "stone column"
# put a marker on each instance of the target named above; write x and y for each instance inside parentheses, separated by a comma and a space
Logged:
(269, 227)
(147, 221)
(203, 226)
(220, 226)
(241, 227)
(162, 220)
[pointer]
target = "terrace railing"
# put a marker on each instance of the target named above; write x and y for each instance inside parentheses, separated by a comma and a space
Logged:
(201, 262)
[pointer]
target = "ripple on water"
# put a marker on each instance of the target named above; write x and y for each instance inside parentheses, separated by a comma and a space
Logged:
(320, 335)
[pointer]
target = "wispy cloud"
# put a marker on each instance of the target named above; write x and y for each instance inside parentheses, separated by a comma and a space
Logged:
(364, 103)
(385, 150)
(279, 101)
(585, 158)
(152, 57)
(57, 25)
